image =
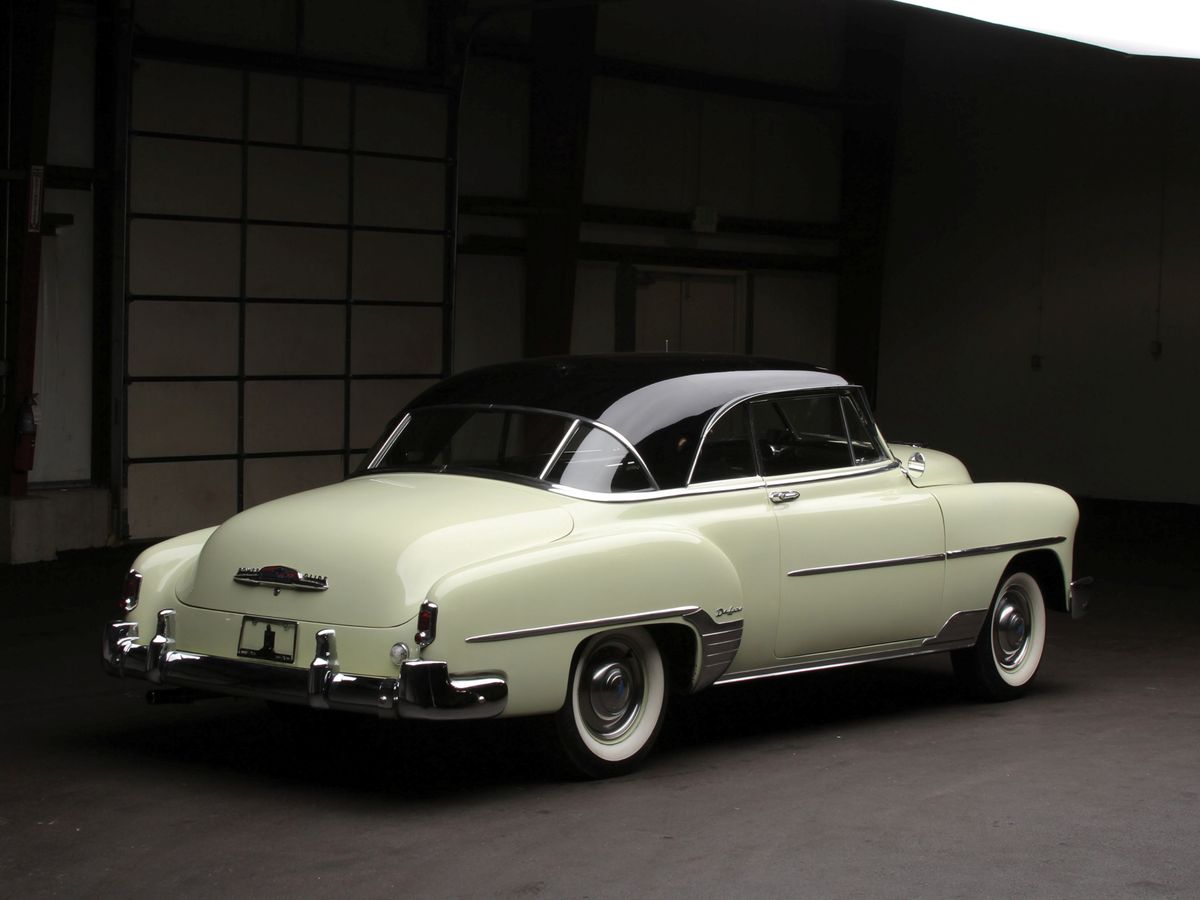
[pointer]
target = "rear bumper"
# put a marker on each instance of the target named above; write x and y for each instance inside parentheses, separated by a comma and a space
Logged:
(423, 689)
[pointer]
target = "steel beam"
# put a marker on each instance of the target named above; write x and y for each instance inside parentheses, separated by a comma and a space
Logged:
(874, 64)
(30, 67)
(560, 102)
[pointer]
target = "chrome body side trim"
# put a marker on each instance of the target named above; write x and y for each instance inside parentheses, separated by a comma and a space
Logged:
(583, 625)
(929, 557)
(816, 665)
(872, 564)
(719, 643)
(962, 626)
(960, 630)
(1005, 548)
(424, 689)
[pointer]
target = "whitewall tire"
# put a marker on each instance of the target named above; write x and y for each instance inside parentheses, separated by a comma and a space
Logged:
(1006, 657)
(615, 703)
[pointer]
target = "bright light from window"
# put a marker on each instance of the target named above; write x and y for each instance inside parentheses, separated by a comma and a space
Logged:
(1149, 27)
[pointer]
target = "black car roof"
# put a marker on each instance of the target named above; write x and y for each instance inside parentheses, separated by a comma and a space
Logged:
(660, 402)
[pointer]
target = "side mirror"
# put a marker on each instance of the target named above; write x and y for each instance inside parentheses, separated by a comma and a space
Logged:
(916, 465)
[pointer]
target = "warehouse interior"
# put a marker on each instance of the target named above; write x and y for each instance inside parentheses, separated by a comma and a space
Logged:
(239, 237)
(266, 226)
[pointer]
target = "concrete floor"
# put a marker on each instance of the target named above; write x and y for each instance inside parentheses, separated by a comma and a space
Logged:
(879, 781)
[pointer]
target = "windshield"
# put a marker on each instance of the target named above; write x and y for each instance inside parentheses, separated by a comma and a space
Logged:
(544, 446)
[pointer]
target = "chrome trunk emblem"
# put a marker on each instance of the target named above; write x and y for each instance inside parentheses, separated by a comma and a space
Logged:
(280, 577)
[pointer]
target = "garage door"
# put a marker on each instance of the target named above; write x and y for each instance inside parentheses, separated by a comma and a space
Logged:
(287, 282)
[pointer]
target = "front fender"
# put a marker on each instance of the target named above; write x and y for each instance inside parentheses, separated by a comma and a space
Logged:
(525, 614)
(1002, 515)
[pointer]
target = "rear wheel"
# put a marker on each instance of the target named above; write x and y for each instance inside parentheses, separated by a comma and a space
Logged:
(1007, 654)
(615, 703)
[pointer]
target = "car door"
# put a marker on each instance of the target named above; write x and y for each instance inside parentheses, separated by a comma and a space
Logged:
(862, 550)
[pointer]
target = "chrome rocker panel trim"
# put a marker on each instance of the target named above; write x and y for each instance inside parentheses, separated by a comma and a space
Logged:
(961, 630)
(424, 689)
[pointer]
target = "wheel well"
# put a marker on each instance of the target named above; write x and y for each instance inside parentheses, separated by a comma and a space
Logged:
(1045, 566)
(678, 645)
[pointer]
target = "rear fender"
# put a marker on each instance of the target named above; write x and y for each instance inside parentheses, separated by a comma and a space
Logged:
(526, 614)
(167, 570)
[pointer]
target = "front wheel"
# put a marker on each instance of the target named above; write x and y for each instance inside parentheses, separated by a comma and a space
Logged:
(1008, 652)
(615, 703)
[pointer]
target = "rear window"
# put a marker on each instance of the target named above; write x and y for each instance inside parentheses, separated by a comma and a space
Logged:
(543, 446)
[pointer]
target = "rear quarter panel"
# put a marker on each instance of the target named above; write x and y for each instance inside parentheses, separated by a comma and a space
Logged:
(713, 552)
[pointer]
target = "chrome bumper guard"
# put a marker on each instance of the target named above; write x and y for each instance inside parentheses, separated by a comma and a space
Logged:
(424, 689)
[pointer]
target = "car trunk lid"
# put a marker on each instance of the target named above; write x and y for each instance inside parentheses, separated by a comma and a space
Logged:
(367, 550)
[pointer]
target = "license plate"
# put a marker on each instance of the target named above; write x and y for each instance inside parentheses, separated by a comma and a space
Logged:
(270, 639)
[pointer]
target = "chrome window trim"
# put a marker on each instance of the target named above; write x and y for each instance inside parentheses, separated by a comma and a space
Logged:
(387, 445)
(882, 465)
(656, 493)
(559, 450)
(583, 625)
(754, 482)
(575, 420)
(929, 557)
(709, 487)
(841, 390)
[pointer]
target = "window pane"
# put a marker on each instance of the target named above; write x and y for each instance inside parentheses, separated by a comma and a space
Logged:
(516, 443)
(726, 452)
(594, 460)
(862, 436)
(800, 434)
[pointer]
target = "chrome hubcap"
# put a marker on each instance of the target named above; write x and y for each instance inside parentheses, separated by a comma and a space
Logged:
(611, 688)
(1011, 625)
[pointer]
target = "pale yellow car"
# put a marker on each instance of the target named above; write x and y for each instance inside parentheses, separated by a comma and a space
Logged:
(582, 537)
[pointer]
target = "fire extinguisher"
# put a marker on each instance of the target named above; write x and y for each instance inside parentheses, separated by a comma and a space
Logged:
(27, 425)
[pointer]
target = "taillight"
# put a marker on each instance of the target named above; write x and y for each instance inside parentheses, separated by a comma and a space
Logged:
(426, 624)
(133, 587)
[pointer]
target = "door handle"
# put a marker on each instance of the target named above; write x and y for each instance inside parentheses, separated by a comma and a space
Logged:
(783, 496)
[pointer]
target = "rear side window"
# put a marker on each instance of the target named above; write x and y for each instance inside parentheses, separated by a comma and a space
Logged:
(594, 460)
(727, 451)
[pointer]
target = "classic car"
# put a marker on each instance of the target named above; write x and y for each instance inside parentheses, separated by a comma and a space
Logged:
(580, 537)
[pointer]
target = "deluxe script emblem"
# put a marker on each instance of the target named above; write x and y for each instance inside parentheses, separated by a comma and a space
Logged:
(280, 577)
(723, 611)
